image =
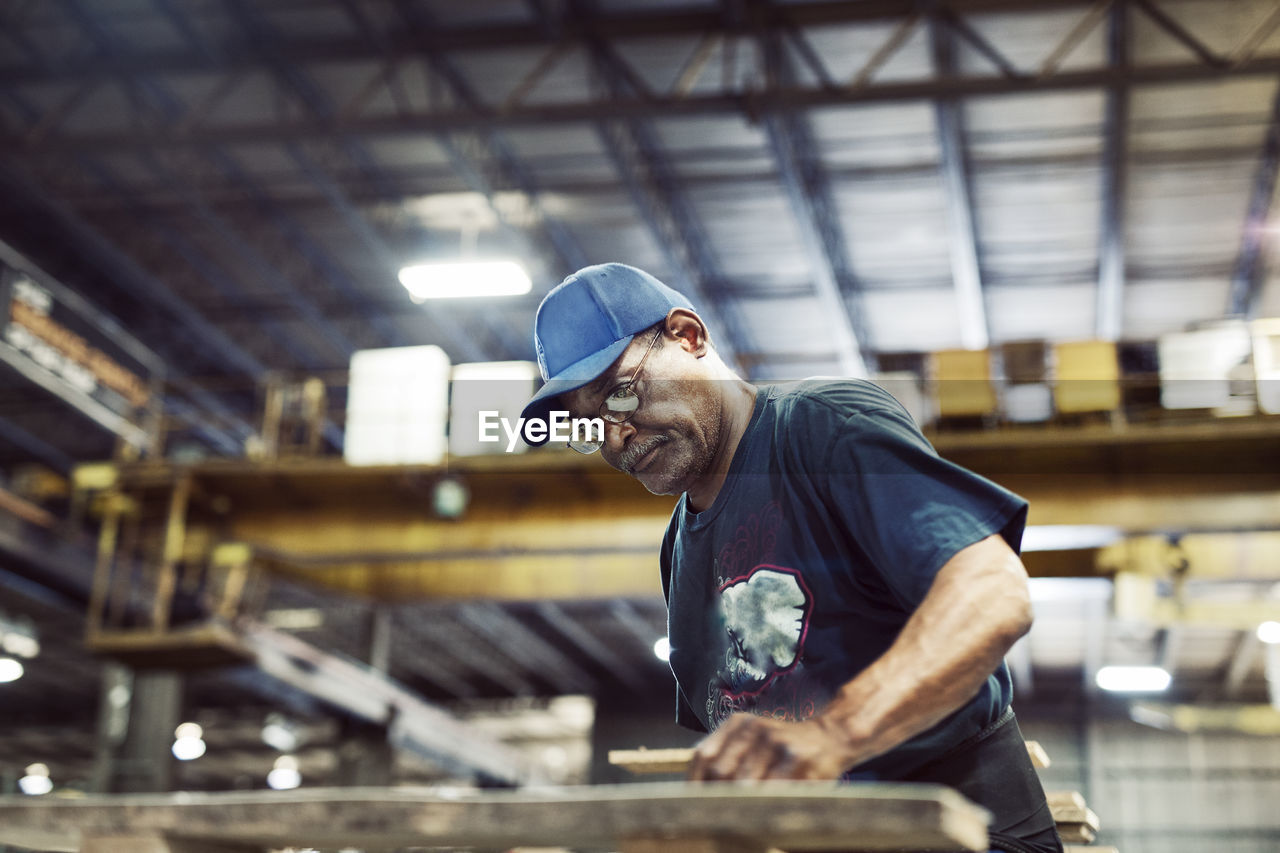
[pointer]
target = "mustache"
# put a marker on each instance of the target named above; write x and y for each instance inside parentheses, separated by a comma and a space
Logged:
(634, 453)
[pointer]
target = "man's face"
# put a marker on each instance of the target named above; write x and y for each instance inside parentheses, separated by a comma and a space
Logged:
(671, 440)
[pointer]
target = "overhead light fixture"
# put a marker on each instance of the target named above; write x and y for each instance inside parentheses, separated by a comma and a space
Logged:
(1068, 537)
(662, 649)
(20, 645)
(280, 733)
(465, 279)
(36, 780)
(18, 637)
(1133, 679)
(284, 776)
(188, 742)
(1269, 633)
(10, 670)
(449, 498)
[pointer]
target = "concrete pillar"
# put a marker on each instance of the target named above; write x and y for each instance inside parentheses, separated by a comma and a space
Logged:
(365, 757)
(138, 713)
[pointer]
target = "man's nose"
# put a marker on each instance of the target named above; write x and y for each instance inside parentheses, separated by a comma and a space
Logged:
(618, 436)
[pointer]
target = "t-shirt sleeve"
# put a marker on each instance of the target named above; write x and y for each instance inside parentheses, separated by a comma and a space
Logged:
(907, 509)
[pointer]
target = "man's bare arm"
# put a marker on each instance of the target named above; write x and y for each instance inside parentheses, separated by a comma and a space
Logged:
(977, 607)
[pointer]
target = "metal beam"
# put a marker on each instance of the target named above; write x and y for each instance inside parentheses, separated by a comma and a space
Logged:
(36, 446)
(748, 104)
(457, 645)
(619, 666)
(406, 655)
(1243, 660)
(218, 436)
(635, 624)
(293, 232)
(1171, 26)
(370, 695)
(813, 206)
(1109, 311)
(89, 244)
(664, 208)
(195, 256)
(443, 39)
(565, 248)
(663, 203)
(318, 105)
(233, 242)
(978, 41)
(1255, 720)
(1251, 269)
(157, 292)
(526, 647)
(966, 270)
(537, 526)
(208, 267)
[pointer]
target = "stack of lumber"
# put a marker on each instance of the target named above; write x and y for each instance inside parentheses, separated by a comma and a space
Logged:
(1077, 823)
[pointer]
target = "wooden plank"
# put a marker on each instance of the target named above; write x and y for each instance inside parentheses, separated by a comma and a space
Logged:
(655, 844)
(792, 816)
(1039, 758)
(1076, 833)
(644, 760)
(158, 844)
(641, 761)
(1065, 799)
(1070, 815)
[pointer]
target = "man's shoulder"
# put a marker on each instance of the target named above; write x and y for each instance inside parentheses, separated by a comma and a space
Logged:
(826, 397)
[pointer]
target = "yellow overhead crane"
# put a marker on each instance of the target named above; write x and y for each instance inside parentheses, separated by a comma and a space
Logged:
(204, 538)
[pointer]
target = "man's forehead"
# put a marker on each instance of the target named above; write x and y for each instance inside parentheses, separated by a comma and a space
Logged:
(600, 383)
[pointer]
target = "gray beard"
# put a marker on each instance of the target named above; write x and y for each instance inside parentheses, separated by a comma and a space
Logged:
(681, 471)
(634, 453)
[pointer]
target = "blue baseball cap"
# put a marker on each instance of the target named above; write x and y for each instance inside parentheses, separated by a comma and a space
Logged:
(585, 323)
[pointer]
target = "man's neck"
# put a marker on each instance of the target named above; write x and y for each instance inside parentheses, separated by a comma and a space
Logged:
(740, 401)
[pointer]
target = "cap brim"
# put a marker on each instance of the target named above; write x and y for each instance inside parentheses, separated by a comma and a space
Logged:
(570, 379)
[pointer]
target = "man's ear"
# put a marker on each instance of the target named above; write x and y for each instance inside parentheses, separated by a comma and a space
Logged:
(688, 328)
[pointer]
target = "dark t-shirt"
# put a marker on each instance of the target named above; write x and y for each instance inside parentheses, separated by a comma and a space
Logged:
(834, 519)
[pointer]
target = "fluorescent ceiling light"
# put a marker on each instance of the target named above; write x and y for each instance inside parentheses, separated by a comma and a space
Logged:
(35, 786)
(1067, 537)
(188, 730)
(283, 779)
(21, 645)
(10, 670)
(284, 775)
(188, 748)
(1069, 589)
(465, 279)
(1133, 679)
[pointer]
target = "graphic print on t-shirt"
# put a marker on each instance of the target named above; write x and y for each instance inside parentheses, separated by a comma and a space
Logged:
(763, 610)
(765, 615)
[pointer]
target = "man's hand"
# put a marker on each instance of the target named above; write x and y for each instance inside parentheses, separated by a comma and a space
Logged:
(747, 747)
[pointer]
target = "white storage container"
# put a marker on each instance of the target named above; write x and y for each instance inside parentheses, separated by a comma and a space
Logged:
(1266, 363)
(497, 387)
(397, 406)
(1029, 403)
(1197, 368)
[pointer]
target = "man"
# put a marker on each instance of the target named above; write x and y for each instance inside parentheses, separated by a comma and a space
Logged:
(840, 599)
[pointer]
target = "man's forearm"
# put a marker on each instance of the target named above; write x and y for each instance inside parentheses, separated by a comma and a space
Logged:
(976, 609)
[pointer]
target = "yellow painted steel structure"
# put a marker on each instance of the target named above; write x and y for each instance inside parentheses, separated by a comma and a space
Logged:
(555, 525)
